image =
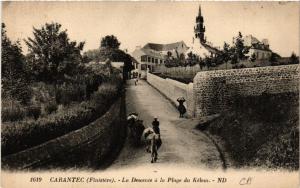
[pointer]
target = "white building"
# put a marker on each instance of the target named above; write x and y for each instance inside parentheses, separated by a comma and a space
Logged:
(153, 54)
(259, 48)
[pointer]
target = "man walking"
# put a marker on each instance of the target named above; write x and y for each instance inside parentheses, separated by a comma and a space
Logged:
(155, 125)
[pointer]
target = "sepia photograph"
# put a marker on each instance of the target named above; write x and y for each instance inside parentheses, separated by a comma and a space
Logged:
(143, 94)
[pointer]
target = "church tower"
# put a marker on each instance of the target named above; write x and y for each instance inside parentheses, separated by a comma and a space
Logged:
(199, 29)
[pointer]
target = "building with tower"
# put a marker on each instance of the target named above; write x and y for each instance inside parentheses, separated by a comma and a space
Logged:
(260, 49)
(199, 29)
(206, 48)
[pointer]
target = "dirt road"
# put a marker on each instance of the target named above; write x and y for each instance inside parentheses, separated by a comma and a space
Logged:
(182, 143)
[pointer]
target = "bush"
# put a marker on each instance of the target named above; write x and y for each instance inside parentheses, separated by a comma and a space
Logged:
(67, 92)
(14, 113)
(33, 111)
(25, 134)
(50, 107)
(261, 130)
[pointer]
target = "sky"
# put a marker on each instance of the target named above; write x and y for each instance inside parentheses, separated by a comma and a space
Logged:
(137, 23)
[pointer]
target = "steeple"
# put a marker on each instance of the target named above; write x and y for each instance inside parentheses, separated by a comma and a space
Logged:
(199, 29)
(199, 13)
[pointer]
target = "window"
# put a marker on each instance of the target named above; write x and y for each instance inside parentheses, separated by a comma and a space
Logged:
(160, 61)
(149, 59)
(143, 67)
(143, 58)
(156, 61)
(152, 60)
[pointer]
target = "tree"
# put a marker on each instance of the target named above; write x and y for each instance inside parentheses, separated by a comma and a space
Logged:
(51, 53)
(253, 57)
(240, 50)
(234, 59)
(109, 49)
(201, 63)
(294, 59)
(169, 54)
(182, 59)
(226, 53)
(274, 58)
(91, 55)
(110, 41)
(192, 59)
(208, 62)
(14, 78)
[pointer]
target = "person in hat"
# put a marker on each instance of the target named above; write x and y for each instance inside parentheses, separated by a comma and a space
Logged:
(152, 135)
(181, 107)
(156, 129)
(155, 126)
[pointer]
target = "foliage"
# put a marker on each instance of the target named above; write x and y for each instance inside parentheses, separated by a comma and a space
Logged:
(14, 82)
(12, 111)
(274, 58)
(253, 57)
(51, 53)
(110, 41)
(226, 52)
(15, 111)
(257, 136)
(192, 59)
(240, 50)
(33, 111)
(19, 136)
(233, 54)
(109, 49)
(50, 107)
(91, 55)
(294, 59)
(173, 62)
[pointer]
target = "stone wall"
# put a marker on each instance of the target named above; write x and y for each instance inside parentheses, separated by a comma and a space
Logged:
(173, 89)
(87, 147)
(214, 90)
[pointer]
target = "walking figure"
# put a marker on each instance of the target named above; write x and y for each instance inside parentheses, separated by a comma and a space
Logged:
(181, 107)
(152, 135)
(136, 81)
(136, 128)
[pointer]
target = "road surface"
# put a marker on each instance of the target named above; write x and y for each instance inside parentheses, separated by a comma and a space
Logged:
(182, 144)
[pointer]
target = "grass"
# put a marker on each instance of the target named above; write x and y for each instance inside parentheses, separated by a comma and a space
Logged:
(262, 131)
(17, 136)
(180, 78)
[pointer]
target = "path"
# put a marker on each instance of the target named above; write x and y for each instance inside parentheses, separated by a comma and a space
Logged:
(182, 143)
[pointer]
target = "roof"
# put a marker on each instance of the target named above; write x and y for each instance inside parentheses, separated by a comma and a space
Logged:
(210, 48)
(153, 53)
(249, 40)
(260, 47)
(164, 47)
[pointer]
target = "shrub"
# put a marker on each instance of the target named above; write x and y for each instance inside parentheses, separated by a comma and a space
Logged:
(50, 107)
(67, 92)
(14, 113)
(25, 134)
(33, 111)
(261, 130)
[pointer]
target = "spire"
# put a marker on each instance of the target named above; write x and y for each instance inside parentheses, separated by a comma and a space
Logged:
(199, 10)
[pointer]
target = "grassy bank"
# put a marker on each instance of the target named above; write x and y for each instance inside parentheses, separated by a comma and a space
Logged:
(17, 136)
(180, 78)
(261, 131)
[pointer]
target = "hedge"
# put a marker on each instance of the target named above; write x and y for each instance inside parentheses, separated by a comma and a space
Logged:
(17, 136)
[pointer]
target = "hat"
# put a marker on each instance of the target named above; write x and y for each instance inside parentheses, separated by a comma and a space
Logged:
(155, 117)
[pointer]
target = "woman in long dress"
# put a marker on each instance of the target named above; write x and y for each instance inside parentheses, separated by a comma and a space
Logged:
(181, 107)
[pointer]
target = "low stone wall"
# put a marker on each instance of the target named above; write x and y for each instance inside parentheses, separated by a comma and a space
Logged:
(214, 90)
(173, 89)
(87, 146)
